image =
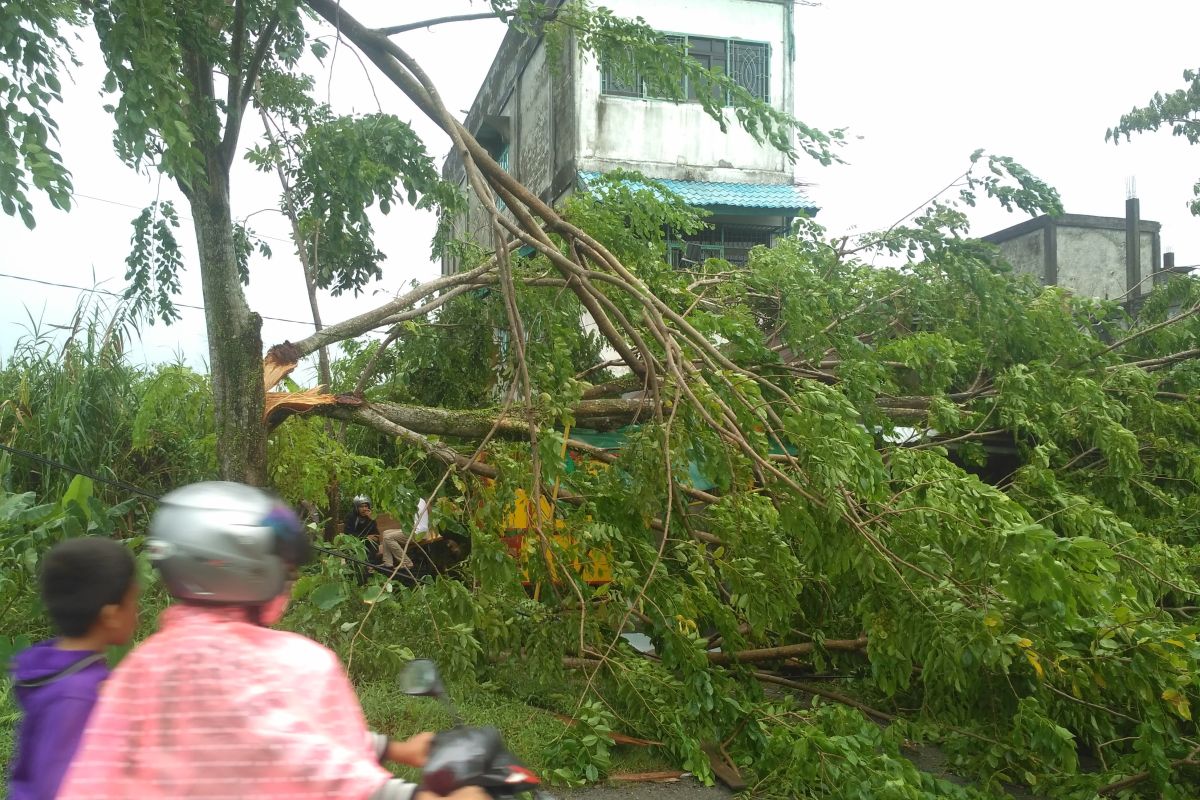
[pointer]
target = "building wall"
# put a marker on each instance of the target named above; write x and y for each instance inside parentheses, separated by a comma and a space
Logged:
(1091, 261)
(523, 89)
(533, 132)
(475, 224)
(1027, 254)
(679, 141)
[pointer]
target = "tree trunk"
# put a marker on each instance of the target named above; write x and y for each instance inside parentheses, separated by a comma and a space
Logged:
(234, 336)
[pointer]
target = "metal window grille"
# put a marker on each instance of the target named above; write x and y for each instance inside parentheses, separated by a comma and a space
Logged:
(730, 242)
(502, 159)
(614, 83)
(712, 54)
(748, 63)
(750, 67)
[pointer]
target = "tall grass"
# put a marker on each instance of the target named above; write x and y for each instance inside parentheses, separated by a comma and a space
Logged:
(79, 401)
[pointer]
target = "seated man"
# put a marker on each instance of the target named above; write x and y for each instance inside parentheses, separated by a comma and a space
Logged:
(361, 524)
(395, 543)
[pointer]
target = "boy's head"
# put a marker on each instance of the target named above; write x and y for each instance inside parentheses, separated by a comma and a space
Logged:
(89, 588)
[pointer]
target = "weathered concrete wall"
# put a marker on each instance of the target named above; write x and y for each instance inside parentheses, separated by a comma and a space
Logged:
(527, 105)
(679, 141)
(563, 121)
(1149, 266)
(1026, 254)
(1091, 261)
(533, 162)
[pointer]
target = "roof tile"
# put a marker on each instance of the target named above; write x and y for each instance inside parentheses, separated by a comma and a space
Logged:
(773, 196)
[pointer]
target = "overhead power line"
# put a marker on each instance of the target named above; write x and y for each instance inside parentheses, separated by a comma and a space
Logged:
(181, 216)
(120, 296)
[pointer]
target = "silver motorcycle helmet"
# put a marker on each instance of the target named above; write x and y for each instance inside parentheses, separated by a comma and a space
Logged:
(220, 542)
(361, 500)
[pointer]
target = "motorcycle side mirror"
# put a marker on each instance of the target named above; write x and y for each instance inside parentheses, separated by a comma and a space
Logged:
(420, 679)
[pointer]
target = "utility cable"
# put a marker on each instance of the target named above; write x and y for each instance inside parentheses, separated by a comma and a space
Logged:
(120, 296)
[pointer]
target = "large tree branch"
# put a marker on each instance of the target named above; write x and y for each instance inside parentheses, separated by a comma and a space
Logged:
(237, 46)
(364, 414)
(1137, 334)
(395, 64)
(787, 651)
(241, 86)
(1155, 364)
(386, 314)
(392, 30)
(1189, 761)
(469, 424)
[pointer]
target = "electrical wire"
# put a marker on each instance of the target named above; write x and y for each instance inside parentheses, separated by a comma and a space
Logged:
(50, 462)
(181, 216)
(120, 296)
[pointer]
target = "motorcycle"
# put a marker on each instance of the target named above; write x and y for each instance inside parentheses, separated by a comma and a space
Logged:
(465, 755)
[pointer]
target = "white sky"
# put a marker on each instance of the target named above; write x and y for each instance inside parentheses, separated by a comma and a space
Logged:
(923, 82)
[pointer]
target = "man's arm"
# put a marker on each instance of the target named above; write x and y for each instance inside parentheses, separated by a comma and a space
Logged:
(412, 752)
(399, 790)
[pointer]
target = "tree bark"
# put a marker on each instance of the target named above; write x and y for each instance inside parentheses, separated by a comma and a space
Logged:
(234, 331)
(787, 651)
(234, 337)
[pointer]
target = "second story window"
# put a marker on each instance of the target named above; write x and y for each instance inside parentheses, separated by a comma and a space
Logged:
(748, 63)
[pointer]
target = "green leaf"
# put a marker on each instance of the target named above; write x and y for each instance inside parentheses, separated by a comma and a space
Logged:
(328, 596)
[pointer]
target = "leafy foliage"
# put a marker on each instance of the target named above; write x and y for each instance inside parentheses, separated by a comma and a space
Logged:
(245, 244)
(81, 403)
(32, 50)
(993, 486)
(963, 502)
(154, 263)
(28, 529)
(339, 168)
(1178, 111)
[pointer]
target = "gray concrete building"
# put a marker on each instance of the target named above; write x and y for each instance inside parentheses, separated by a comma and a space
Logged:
(555, 126)
(1110, 258)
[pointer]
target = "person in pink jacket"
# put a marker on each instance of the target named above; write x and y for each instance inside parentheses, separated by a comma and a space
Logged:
(218, 705)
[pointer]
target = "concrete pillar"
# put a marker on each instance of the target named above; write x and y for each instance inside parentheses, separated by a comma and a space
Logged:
(1133, 248)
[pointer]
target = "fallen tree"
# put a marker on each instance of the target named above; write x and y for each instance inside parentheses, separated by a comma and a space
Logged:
(976, 515)
(970, 497)
(1002, 564)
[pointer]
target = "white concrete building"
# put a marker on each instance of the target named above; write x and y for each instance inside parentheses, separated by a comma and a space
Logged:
(553, 128)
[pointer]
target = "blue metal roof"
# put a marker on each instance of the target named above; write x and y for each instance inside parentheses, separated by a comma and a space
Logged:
(707, 194)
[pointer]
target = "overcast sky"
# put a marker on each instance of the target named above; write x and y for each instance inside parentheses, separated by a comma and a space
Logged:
(922, 82)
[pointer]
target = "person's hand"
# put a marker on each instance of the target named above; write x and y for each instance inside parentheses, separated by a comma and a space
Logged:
(471, 793)
(468, 793)
(374, 537)
(412, 752)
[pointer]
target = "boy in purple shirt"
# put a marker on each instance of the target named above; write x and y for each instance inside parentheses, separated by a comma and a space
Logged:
(90, 592)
